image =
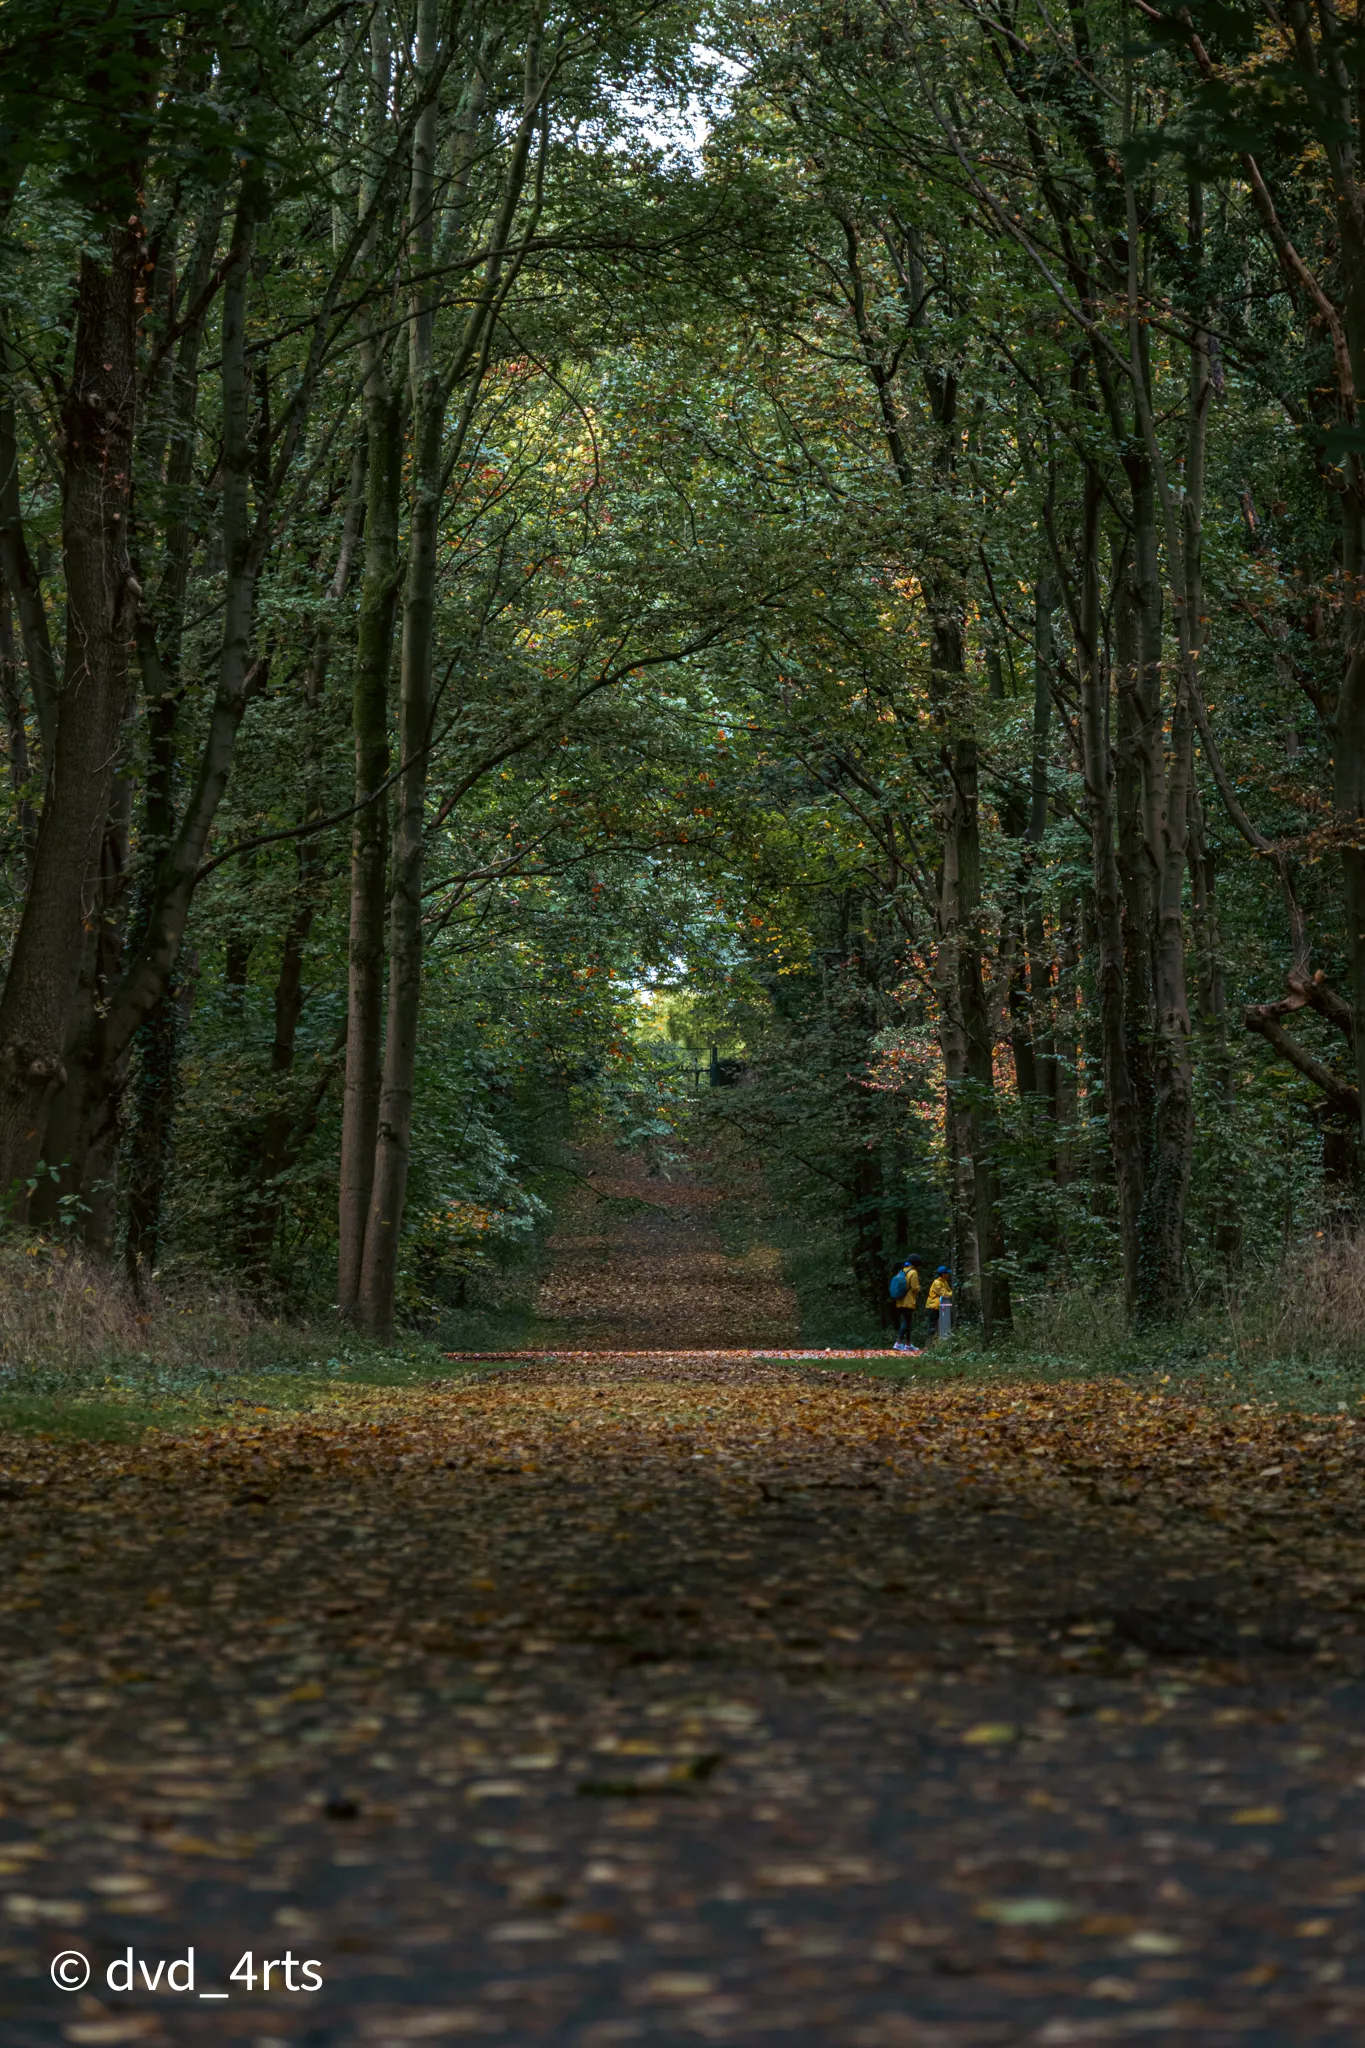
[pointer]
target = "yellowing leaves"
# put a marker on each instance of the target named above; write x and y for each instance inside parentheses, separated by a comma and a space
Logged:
(1026, 1912)
(990, 1732)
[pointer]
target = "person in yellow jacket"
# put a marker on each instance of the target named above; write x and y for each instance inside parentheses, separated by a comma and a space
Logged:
(908, 1298)
(940, 1293)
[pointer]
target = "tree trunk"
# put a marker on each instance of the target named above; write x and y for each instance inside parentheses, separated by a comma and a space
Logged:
(1021, 1023)
(393, 1136)
(1119, 1094)
(966, 1031)
(152, 958)
(16, 738)
(244, 543)
(156, 1077)
(1167, 783)
(1066, 1037)
(1161, 1225)
(102, 595)
(85, 1112)
(1041, 996)
(1349, 758)
(379, 582)
(996, 1312)
(1211, 998)
(18, 572)
(952, 1040)
(369, 835)
(1137, 730)
(1211, 990)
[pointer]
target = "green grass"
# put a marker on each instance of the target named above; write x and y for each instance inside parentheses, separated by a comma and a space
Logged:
(64, 1415)
(116, 1401)
(1174, 1366)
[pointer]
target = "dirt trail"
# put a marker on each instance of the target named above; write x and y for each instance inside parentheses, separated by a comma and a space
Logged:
(721, 1702)
(638, 1265)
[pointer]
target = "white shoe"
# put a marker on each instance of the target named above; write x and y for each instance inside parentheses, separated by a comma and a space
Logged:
(900, 1347)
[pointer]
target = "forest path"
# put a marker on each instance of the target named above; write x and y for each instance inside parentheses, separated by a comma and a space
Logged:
(637, 1264)
(644, 1701)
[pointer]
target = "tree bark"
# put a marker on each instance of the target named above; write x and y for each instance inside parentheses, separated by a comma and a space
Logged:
(1349, 762)
(1137, 730)
(152, 957)
(1167, 784)
(16, 738)
(393, 1133)
(1066, 1037)
(1212, 1006)
(156, 1081)
(1120, 1096)
(1037, 1075)
(20, 574)
(102, 597)
(996, 1312)
(83, 1126)
(379, 584)
(369, 834)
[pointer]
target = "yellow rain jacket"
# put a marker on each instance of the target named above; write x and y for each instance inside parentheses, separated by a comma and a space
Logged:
(939, 1291)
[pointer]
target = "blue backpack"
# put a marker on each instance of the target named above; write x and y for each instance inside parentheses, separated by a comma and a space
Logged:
(900, 1285)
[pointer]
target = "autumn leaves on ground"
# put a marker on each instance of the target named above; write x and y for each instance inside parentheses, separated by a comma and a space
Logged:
(637, 1264)
(687, 1701)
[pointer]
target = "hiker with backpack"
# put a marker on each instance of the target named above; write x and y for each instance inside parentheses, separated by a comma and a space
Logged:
(905, 1292)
